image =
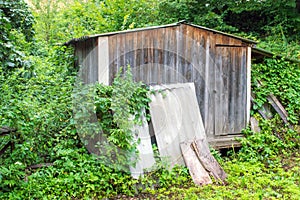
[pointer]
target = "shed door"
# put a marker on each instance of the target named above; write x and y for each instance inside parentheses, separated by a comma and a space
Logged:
(230, 90)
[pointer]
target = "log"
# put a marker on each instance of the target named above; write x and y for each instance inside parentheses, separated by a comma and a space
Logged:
(211, 165)
(199, 175)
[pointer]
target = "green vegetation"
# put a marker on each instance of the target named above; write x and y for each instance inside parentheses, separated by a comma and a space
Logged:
(39, 94)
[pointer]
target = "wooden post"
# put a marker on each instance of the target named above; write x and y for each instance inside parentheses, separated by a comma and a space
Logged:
(248, 104)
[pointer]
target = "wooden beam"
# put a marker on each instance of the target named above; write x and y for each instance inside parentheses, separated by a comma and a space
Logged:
(199, 175)
(211, 165)
(248, 101)
(278, 107)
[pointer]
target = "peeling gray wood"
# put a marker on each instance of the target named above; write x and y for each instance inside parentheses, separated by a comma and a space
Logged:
(197, 171)
(176, 118)
(208, 161)
(278, 107)
(254, 125)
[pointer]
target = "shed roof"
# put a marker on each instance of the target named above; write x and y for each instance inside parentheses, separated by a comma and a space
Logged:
(259, 53)
(75, 40)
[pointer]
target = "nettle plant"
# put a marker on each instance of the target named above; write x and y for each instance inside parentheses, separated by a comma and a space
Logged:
(118, 109)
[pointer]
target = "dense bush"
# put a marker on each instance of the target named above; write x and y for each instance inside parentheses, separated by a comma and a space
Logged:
(280, 78)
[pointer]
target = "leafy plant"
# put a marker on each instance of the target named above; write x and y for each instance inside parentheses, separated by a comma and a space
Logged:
(281, 78)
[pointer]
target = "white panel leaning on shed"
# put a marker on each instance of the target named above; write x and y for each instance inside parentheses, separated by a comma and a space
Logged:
(176, 118)
(145, 159)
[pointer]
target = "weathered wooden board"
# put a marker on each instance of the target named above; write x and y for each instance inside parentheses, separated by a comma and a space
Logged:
(254, 125)
(87, 54)
(278, 107)
(230, 94)
(197, 171)
(274, 102)
(176, 118)
(208, 161)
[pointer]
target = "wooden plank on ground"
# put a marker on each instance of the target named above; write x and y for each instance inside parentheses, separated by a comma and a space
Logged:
(278, 107)
(254, 125)
(197, 171)
(264, 111)
(208, 161)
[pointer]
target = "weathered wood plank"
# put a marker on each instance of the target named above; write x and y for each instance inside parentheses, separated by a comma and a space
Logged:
(197, 171)
(243, 91)
(113, 57)
(248, 100)
(278, 107)
(128, 51)
(254, 125)
(264, 111)
(218, 120)
(208, 161)
(210, 66)
(232, 91)
(139, 55)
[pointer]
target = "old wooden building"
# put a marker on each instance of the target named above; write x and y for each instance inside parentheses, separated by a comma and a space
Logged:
(218, 63)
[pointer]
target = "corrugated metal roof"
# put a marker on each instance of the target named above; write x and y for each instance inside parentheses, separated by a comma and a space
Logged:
(75, 40)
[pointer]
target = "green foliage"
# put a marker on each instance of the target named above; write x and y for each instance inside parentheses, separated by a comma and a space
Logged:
(270, 143)
(38, 107)
(281, 78)
(59, 21)
(119, 107)
(16, 30)
(19, 17)
(256, 17)
(197, 12)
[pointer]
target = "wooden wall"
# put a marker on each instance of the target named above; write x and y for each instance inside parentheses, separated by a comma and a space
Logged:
(87, 58)
(215, 62)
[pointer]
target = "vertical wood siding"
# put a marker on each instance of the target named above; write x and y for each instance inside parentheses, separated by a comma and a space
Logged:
(181, 54)
(87, 55)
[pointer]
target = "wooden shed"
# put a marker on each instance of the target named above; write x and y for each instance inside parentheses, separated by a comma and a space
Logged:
(218, 63)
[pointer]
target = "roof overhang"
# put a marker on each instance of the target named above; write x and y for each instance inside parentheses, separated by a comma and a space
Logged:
(75, 40)
(259, 53)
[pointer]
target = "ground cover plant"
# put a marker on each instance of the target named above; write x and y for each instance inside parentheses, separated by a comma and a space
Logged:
(49, 159)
